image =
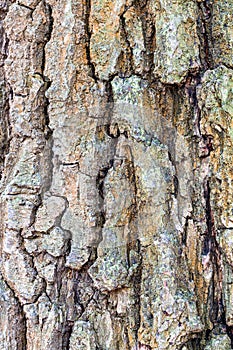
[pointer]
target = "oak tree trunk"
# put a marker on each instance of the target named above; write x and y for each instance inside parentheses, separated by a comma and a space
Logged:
(116, 138)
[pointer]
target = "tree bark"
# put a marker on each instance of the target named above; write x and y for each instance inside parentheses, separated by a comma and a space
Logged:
(116, 139)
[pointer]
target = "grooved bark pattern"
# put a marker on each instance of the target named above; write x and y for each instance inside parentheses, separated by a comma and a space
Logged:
(116, 140)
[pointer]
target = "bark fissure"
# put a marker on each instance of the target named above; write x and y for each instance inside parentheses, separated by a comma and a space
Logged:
(48, 131)
(5, 95)
(149, 33)
(129, 54)
(205, 33)
(88, 44)
(213, 250)
(116, 179)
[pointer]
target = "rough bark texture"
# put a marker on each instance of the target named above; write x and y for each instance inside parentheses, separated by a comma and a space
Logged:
(116, 139)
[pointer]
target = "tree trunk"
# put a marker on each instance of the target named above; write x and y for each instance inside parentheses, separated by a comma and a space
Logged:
(116, 139)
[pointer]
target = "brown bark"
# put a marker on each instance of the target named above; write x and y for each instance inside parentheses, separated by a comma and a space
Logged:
(116, 175)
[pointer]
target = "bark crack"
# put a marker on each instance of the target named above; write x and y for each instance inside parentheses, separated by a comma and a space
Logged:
(129, 52)
(88, 43)
(205, 33)
(212, 249)
(5, 94)
(148, 28)
(48, 131)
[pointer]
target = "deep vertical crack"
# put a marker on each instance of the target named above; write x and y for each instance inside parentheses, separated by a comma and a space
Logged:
(137, 290)
(205, 33)
(88, 40)
(5, 93)
(129, 52)
(67, 334)
(48, 131)
(212, 248)
(149, 32)
(191, 85)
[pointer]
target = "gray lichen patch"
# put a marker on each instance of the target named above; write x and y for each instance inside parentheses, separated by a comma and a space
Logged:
(222, 32)
(83, 336)
(177, 43)
(215, 100)
(218, 341)
(128, 90)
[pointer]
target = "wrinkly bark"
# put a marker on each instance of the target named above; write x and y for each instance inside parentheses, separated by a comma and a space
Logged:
(116, 140)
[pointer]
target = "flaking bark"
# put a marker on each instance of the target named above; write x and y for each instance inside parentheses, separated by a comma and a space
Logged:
(116, 175)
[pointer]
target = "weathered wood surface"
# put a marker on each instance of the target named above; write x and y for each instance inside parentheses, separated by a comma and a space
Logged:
(116, 139)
